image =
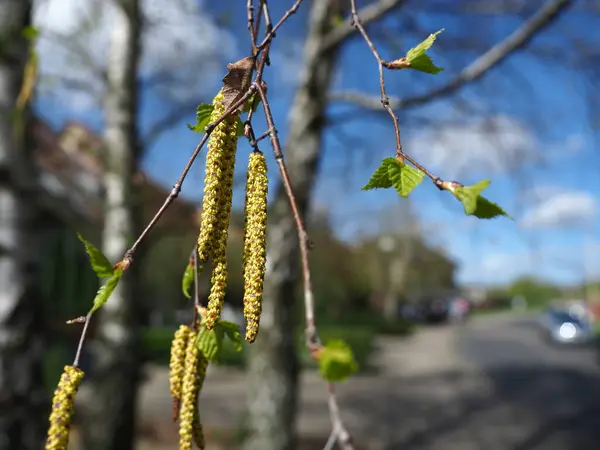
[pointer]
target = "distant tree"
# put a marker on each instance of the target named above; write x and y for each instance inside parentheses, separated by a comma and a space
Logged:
(23, 401)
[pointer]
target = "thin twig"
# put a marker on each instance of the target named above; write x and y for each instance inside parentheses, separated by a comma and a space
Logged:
(88, 317)
(385, 101)
(331, 441)
(343, 437)
(271, 34)
(251, 29)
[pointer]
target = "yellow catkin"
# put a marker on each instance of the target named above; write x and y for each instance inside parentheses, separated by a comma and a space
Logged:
(255, 252)
(62, 408)
(218, 183)
(189, 393)
(218, 289)
(197, 430)
(177, 365)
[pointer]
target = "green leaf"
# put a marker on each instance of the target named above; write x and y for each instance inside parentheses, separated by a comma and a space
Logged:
(210, 342)
(336, 361)
(250, 104)
(232, 331)
(404, 177)
(476, 205)
(188, 280)
(106, 290)
(424, 63)
(240, 127)
(30, 33)
(380, 178)
(203, 113)
(98, 261)
(418, 60)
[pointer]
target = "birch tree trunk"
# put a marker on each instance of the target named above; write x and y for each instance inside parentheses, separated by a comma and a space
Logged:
(23, 401)
(273, 363)
(110, 422)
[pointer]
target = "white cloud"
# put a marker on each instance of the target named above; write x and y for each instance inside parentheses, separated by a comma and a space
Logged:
(495, 144)
(562, 209)
(179, 38)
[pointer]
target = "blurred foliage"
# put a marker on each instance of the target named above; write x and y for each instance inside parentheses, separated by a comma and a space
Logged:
(157, 344)
(536, 292)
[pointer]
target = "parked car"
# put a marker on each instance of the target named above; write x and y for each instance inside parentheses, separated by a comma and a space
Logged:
(560, 326)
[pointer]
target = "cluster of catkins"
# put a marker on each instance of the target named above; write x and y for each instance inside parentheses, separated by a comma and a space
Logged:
(216, 213)
(188, 370)
(188, 365)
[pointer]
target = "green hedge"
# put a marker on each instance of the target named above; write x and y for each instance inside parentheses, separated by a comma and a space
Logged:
(157, 344)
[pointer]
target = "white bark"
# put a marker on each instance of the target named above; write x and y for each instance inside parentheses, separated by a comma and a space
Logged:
(23, 400)
(111, 417)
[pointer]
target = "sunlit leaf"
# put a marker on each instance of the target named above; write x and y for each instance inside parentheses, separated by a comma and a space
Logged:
(98, 261)
(336, 361)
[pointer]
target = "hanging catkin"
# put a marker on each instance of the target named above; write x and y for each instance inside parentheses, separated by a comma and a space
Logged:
(255, 253)
(218, 182)
(189, 393)
(62, 408)
(177, 365)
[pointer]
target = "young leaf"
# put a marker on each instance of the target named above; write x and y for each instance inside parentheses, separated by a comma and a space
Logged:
(188, 280)
(250, 104)
(240, 127)
(210, 343)
(106, 290)
(381, 178)
(336, 361)
(203, 113)
(404, 177)
(424, 63)
(98, 261)
(468, 195)
(418, 60)
(232, 331)
(476, 205)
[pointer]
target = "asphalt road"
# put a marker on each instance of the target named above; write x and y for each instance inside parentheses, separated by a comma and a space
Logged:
(507, 390)
(551, 396)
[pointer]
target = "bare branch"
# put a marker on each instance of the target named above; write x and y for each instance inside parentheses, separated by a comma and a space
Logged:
(478, 68)
(367, 14)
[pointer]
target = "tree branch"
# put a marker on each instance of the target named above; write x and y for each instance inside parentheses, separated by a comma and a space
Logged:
(478, 68)
(367, 14)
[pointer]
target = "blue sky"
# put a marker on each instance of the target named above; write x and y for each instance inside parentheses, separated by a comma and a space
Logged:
(543, 159)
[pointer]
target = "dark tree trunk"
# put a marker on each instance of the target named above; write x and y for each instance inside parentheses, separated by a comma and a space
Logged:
(24, 404)
(273, 365)
(110, 421)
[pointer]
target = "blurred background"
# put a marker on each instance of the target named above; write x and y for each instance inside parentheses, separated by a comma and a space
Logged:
(469, 334)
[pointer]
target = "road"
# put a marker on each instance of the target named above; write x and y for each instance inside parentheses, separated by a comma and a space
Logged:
(490, 385)
(509, 390)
